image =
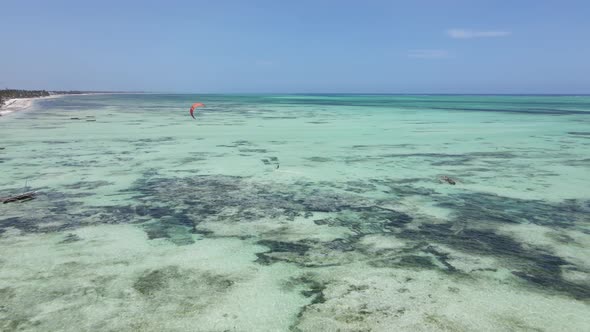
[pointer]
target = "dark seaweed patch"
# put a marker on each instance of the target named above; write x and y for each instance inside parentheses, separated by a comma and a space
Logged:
(70, 238)
(176, 208)
(254, 150)
(382, 146)
(236, 144)
(482, 207)
(315, 290)
(531, 264)
(578, 162)
(54, 211)
(399, 187)
(407, 261)
(153, 281)
(547, 111)
(88, 185)
(51, 142)
(342, 244)
(368, 220)
(274, 161)
(279, 247)
(279, 117)
(174, 226)
(188, 160)
(312, 289)
(319, 159)
(441, 256)
(156, 139)
(446, 159)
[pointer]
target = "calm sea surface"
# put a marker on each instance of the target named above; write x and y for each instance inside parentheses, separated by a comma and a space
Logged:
(297, 213)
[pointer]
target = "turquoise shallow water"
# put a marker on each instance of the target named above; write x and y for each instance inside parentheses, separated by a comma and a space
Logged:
(297, 212)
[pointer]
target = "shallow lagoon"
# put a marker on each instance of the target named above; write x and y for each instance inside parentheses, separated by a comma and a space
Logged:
(297, 212)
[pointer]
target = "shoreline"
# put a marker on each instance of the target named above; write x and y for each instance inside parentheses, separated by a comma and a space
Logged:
(21, 104)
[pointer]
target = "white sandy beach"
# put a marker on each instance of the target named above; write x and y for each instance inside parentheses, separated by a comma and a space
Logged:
(20, 104)
(13, 105)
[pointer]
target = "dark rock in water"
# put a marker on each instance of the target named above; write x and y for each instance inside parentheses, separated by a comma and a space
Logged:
(265, 161)
(448, 180)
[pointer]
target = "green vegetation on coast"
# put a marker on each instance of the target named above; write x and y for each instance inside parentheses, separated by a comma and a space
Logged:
(12, 93)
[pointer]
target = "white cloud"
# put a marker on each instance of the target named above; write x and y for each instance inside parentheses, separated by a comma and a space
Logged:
(428, 54)
(468, 34)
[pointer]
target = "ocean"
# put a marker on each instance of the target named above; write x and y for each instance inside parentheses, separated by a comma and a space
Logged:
(297, 213)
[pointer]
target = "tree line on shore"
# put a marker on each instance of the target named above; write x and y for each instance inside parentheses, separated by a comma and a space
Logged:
(11, 93)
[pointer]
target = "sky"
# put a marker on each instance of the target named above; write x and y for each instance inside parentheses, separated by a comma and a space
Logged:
(345, 46)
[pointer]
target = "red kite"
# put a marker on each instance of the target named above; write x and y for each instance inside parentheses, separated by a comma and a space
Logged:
(195, 105)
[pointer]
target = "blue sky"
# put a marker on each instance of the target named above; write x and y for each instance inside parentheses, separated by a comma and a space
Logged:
(437, 46)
